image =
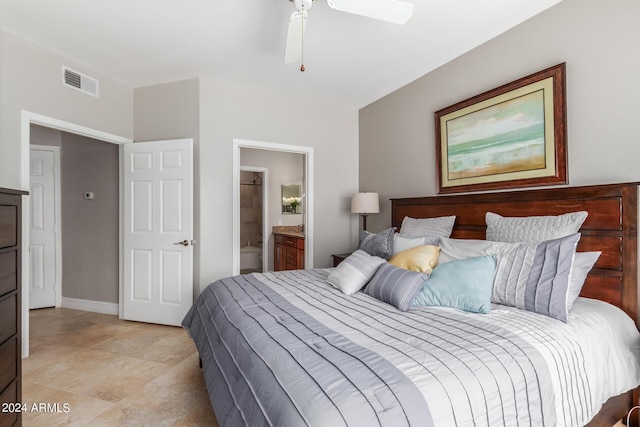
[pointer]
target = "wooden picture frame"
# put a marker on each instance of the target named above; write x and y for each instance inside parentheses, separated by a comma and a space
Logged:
(511, 136)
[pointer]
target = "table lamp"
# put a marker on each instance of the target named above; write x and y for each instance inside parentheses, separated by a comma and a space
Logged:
(365, 204)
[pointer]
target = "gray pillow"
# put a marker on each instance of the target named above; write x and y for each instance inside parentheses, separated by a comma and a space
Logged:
(532, 229)
(395, 286)
(530, 276)
(440, 226)
(380, 244)
(354, 272)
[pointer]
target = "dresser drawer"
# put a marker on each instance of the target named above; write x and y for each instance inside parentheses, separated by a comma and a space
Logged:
(8, 362)
(8, 311)
(8, 273)
(8, 226)
(9, 395)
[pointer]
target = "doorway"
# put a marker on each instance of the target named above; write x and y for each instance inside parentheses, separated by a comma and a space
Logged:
(27, 119)
(307, 185)
(254, 219)
(45, 247)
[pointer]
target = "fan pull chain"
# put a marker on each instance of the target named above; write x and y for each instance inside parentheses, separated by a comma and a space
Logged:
(302, 41)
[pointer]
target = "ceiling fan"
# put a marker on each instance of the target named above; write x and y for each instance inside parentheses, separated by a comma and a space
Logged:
(394, 11)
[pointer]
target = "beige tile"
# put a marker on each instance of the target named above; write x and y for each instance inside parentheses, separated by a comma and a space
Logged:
(168, 346)
(44, 328)
(113, 372)
(127, 414)
(176, 398)
(42, 353)
(102, 375)
(185, 380)
(81, 409)
(105, 318)
(91, 334)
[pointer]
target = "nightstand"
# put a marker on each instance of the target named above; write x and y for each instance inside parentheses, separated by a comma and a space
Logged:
(338, 258)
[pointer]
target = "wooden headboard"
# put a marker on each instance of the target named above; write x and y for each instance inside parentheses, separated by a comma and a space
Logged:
(611, 227)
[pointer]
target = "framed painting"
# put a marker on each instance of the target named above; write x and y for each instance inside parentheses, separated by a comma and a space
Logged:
(512, 136)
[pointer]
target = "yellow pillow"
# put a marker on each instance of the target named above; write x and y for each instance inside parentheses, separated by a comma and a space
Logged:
(421, 258)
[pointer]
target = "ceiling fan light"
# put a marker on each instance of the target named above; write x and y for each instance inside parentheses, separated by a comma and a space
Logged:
(302, 4)
(393, 11)
(297, 25)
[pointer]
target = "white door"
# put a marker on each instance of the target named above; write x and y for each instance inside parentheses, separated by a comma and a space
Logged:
(44, 275)
(158, 231)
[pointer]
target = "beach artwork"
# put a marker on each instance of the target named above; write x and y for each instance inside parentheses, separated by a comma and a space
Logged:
(503, 138)
(508, 137)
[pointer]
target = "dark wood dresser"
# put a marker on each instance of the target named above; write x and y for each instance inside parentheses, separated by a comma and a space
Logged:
(10, 309)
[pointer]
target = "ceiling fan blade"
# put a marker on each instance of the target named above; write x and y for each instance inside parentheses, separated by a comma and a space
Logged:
(393, 11)
(297, 25)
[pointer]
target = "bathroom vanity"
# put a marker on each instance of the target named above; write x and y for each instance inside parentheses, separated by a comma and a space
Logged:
(288, 250)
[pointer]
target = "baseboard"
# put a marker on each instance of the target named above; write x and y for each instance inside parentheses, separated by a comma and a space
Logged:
(89, 305)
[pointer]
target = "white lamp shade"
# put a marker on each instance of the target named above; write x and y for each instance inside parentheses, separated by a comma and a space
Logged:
(365, 203)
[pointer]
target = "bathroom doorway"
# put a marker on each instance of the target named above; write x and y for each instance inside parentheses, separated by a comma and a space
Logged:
(305, 217)
(253, 219)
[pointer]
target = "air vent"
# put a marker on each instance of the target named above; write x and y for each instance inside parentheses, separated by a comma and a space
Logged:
(79, 81)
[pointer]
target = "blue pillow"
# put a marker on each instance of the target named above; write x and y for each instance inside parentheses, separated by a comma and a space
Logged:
(395, 285)
(465, 284)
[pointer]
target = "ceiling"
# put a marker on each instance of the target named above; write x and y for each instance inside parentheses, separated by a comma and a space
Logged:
(349, 60)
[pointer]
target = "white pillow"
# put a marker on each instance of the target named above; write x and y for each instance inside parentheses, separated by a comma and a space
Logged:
(354, 272)
(401, 242)
(440, 226)
(532, 229)
(583, 262)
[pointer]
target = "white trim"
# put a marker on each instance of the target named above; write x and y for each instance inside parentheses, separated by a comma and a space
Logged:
(28, 118)
(121, 232)
(57, 216)
(89, 305)
(265, 212)
(308, 196)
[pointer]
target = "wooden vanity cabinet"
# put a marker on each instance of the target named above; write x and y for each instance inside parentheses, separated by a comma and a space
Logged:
(288, 252)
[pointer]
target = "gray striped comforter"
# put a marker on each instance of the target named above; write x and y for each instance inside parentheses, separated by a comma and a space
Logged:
(287, 349)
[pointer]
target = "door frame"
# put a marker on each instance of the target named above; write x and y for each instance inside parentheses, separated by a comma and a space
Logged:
(307, 212)
(56, 215)
(265, 211)
(26, 120)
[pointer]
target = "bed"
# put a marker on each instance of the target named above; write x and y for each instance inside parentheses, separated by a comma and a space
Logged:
(286, 348)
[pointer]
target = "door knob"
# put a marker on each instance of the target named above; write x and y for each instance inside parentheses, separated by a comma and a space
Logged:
(185, 243)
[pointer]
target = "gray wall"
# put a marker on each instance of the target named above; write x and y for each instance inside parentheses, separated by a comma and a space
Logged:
(89, 227)
(598, 41)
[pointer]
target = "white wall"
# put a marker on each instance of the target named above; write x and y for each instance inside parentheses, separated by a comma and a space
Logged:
(599, 42)
(30, 79)
(228, 111)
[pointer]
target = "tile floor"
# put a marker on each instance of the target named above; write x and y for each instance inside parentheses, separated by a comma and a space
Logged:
(112, 372)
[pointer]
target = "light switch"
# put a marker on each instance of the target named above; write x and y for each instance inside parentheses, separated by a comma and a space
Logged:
(88, 195)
